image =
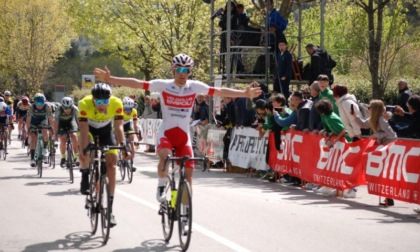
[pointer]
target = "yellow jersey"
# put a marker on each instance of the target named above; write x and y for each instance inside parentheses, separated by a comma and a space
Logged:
(95, 119)
(130, 117)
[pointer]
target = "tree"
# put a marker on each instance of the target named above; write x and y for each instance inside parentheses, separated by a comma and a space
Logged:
(33, 34)
(386, 32)
(146, 34)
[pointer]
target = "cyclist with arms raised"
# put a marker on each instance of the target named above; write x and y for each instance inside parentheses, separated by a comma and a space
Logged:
(65, 121)
(130, 122)
(178, 97)
(96, 114)
(39, 114)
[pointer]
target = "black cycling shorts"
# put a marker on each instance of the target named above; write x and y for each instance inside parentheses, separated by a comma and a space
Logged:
(67, 125)
(106, 135)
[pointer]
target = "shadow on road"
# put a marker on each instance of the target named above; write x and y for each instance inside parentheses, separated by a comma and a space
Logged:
(68, 192)
(78, 240)
(151, 245)
(52, 182)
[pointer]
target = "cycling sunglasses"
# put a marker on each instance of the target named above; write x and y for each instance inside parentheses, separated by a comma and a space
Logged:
(128, 109)
(40, 103)
(183, 70)
(66, 108)
(101, 101)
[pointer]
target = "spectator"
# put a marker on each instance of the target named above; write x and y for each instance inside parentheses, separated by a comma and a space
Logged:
(223, 36)
(303, 109)
(148, 111)
(333, 126)
(200, 110)
(382, 131)
(403, 94)
(227, 119)
(397, 120)
(155, 103)
(345, 103)
(315, 124)
(321, 63)
(268, 124)
(244, 116)
(283, 70)
(412, 129)
(326, 92)
(276, 26)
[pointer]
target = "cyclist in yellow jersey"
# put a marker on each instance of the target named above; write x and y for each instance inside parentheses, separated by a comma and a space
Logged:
(96, 114)
(130, 122)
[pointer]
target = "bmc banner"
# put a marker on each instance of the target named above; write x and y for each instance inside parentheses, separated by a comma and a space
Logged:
(391, 170)
(247, 149)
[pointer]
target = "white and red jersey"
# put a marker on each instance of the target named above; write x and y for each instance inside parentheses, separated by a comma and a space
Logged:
(177, 104)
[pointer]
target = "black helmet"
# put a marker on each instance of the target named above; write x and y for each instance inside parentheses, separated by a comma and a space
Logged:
(101, 91)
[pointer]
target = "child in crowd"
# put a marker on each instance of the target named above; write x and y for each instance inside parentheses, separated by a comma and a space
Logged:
(333, 126)
(382, 131)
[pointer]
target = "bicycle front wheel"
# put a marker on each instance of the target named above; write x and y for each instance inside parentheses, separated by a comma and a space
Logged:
(92, 202)
(121, 166)
(70, 162)
(129, 167)
(39, 166)
(184, 214)
(105, 209)
(168, 213)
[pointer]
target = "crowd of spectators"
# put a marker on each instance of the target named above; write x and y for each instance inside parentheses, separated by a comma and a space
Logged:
(330, 112)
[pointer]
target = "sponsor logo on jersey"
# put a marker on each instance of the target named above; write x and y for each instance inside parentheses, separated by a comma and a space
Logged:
(178, 101)
(119, 110)
(83, 113)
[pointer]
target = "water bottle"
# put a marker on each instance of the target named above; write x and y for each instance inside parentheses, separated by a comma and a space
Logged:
(173, 199)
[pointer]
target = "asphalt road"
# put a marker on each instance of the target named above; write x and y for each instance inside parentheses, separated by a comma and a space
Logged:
(232, 212)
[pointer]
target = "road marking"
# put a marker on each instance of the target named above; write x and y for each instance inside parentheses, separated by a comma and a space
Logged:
(197, 227)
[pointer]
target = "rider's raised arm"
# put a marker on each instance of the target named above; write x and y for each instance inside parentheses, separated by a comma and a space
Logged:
(104, 75)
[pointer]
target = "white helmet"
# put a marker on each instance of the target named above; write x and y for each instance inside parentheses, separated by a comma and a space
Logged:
(128, 102)
(67, 102)
(1, 99)
(182, 60)
(2, 106)
(7, 92)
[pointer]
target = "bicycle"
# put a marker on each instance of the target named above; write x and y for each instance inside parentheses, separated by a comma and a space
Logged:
(97, 201)
(24, 136)
(70, 162)
(51, 151)
(124, 165)
(176, 207)
(39, 149)
(4, 140)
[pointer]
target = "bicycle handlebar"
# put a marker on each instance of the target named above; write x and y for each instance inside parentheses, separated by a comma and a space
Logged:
(92, 146)
(184, 159)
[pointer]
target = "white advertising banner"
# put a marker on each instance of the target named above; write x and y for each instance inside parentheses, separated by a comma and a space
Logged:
(247, 149)
(215, 144)
(149, 129)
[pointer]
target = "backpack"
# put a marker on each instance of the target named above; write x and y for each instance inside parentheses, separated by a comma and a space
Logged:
(327, 61)
(364, 109)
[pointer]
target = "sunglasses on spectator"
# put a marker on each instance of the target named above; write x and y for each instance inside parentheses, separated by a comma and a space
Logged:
(183, 70)
(101, 101)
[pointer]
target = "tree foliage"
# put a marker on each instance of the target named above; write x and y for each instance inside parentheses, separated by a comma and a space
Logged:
(33, 33)
(147, 34)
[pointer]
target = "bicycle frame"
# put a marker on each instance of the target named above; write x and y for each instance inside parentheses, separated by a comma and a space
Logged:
(96, 202)
(179, 206)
